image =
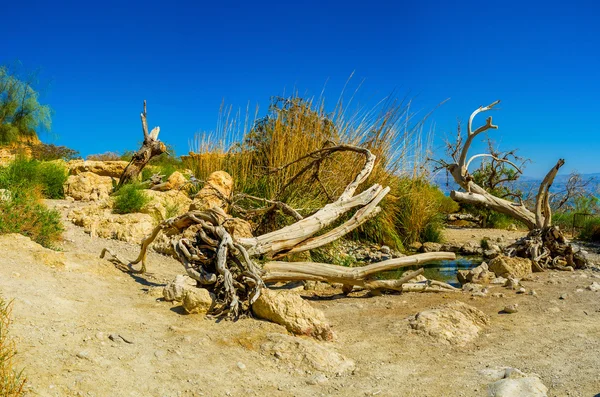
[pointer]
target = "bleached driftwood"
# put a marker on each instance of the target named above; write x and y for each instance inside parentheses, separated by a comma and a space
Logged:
(225, 266)
(545, 245)
(151, 147)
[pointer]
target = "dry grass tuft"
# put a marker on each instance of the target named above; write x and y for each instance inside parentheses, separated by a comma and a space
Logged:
(11, 381)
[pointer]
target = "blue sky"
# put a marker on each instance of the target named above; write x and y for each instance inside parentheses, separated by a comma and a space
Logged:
(99, 60)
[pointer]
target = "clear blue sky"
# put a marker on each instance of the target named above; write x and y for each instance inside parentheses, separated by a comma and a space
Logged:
(99, 60)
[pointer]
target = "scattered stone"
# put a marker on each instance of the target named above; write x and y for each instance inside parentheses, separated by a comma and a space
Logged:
(198, 300)
(479, 294)
(505, 266)
(175, 289)
(477, 275)
(454, 323)
(595, 287)
(499, 281)
(317, 379)
(430, 247)
(386, 250)
(563, 296)
(306, 352)
(83, 355)
(510, 309)
(498, 295)
(532, 293)
(241, 365)
(521, 290)
(119, 339)
(416, 246)
(290, 310)
(522, 387)
(512, 283)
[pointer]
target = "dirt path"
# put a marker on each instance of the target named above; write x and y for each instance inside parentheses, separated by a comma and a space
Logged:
(68, 304)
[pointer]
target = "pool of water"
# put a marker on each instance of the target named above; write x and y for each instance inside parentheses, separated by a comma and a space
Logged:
(440, 270)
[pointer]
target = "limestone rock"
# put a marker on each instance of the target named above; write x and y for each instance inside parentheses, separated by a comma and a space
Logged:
(112, 169)
(166, 204)
(87, 186)
(98, 220)
(176, 181)
(306, 352)
(505, 266)
(477, 275)
(175, 289)
(197, 300)
(455, 323)
(594, 287)
(430, 247)
(218, 187)
(238, 227)
(40, 255)
(522, 387)
(294, 313)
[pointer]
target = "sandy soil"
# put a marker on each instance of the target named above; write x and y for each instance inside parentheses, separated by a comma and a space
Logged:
(63, 316)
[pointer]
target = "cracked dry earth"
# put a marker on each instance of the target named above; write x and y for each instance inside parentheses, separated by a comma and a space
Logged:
(68, 306)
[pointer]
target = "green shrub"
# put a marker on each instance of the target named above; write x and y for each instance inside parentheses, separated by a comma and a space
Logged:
(590, 230)
(24, 213)
(50, 176)
(130, 198)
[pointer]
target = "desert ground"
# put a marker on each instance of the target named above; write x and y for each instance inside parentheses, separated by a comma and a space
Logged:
(85, 328)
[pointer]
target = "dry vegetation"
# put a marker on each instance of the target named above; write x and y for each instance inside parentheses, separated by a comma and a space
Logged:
(11, 380)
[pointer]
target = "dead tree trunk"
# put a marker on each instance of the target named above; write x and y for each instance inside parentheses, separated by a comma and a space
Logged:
(545, 245)
(225, 265)
(151, 147)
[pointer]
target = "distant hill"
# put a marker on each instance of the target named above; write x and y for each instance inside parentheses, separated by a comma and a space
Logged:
(526, 183)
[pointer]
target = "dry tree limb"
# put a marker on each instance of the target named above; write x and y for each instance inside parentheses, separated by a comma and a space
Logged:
(225, 267)
(291, 271)
(151, 147)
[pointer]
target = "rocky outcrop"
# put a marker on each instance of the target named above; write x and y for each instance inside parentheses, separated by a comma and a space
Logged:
(164, 205)
(306, 352)
(455, 323)
(216, 192)
(294, 313)
(514, 267)
(88, 186)
(112, 169)
(99, 221)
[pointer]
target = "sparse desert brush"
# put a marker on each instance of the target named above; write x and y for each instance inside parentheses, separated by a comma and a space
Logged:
(11, 380)
(106, 156)
(21, 211)
(50, 176)
(130, 198)
(295, 127)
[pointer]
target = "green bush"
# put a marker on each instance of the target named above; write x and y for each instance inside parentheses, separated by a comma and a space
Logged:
(23, 213)
(130, 198)
(590, 230)
(50, 176)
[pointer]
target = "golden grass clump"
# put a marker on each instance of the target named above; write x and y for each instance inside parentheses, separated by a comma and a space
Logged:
(254, 152)
(11, 381)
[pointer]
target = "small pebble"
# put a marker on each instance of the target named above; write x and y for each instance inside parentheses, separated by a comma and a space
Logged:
(563, 296)
(510, 309)
(521, 290)
(532, 293)
(241, 365)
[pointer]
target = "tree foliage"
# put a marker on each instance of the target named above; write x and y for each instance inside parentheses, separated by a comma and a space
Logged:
(21, 114)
